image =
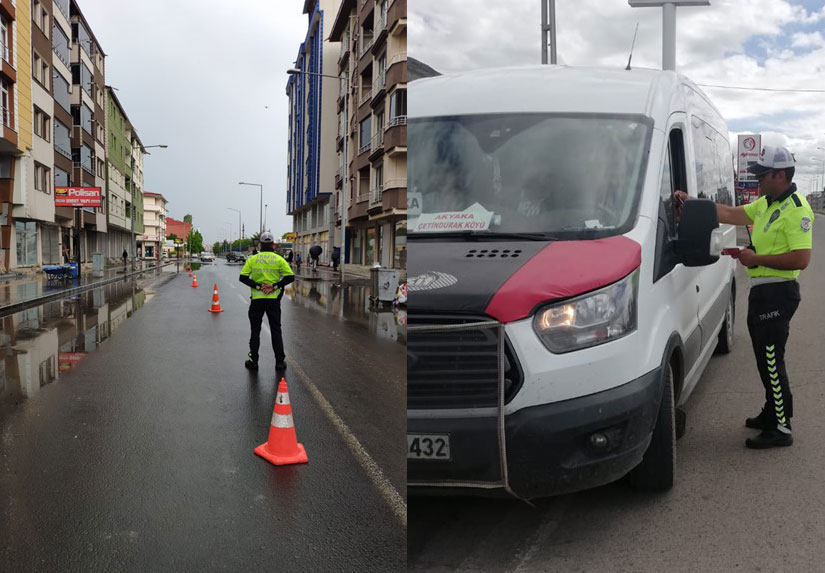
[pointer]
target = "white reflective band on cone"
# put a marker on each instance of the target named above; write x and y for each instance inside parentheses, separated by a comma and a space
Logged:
(283, 398)
(282, 421)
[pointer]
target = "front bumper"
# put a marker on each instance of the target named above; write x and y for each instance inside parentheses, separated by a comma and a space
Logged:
(548, 447)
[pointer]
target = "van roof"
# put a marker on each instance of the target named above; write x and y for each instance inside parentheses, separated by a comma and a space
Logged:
(549, 89)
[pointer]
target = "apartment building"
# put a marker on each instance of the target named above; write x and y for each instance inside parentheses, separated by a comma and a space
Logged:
(118, 177)
(88, 135)
(312, 127)
(373, 61)
(154, 220)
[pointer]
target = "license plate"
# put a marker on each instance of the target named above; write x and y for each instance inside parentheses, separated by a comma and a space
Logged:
(428, 446)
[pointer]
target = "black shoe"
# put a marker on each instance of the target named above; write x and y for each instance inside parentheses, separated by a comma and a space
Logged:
(280, 366)
(763, 421)
(769, 439)
(251, 363)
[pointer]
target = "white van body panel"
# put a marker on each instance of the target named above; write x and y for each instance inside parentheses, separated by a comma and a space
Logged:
(676, 303)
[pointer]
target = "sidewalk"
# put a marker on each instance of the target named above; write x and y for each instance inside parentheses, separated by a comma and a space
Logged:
(358, 274)
(25, 289)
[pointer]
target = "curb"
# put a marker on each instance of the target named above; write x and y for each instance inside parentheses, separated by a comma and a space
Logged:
(37, 301)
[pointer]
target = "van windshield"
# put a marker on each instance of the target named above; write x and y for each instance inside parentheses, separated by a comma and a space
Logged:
(526, 175)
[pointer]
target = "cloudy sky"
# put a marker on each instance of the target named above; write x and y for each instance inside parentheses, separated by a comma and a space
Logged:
(776, 44)
(198, 76)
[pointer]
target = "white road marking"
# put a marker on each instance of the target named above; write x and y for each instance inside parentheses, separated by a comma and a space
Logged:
(548, 525)
(373, 471)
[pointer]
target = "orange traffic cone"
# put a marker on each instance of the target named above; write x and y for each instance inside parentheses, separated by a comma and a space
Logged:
(195, 280)
(283, 447)
(216, 302)
(190, 272)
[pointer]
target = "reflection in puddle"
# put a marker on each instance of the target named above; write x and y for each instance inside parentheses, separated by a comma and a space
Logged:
(351, 303)
(40, 343)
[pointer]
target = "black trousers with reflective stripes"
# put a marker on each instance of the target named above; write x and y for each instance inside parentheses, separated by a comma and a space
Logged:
(272, 308)
(770, 309)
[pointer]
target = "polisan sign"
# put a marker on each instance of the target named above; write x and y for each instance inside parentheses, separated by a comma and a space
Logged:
(77, 197)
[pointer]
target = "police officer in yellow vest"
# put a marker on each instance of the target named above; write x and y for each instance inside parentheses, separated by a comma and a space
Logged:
(267, 274)
(781, 247)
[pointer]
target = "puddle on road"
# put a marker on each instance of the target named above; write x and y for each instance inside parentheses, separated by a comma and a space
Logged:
(353, 304)
(39, 344)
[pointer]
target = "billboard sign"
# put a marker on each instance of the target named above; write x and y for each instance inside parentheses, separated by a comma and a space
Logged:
(747, 153)
(77, 197)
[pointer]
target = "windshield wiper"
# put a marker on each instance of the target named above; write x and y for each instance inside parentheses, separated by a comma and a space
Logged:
(474, 235)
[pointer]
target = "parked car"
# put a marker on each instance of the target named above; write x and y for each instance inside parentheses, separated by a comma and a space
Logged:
(207, 257)
(567, 302)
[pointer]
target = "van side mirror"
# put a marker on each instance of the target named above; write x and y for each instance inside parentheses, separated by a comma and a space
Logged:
(698, 220)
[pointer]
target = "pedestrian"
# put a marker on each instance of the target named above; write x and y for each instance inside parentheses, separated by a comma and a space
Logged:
(314, 255)
(125, 257)
(267, 274)
(336, 258)
(298, 261)
(780, 248)
(289, 256)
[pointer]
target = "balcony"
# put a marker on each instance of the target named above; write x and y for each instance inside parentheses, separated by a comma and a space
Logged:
(366, 44)
(397, 120)
(375, 195)
(366, 95)
(6, 117)
(364, 148)
(362, 197)
(377, 145)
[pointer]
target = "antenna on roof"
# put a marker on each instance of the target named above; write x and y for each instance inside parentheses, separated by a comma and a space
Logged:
(633, 45)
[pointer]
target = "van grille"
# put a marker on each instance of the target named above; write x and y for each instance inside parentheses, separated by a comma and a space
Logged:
(458, 368)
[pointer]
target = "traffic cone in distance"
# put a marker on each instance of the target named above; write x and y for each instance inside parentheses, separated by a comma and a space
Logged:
(216, 302)
(190, 272)
(283, 447)
(195, 280)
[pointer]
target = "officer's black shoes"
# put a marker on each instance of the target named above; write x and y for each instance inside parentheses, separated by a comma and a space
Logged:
(280, 366)
(769, 439)
(763, 421)
(250, 363)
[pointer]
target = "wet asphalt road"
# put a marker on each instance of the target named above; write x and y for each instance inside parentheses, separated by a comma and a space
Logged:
(141, 457)
(731, 509)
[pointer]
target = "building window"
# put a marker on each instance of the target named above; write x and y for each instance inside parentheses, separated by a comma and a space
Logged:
(4, 40)
(42, 178)
(61, 178)
(400, 246)
(398, 108)
(42, 124)
(60, 43)
(26, 243)
(365, 134)
(62, 92)
(4, 103)
(62, 140)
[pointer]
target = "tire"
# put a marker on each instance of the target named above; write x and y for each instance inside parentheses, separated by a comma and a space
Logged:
(725, 343)
(658, 466)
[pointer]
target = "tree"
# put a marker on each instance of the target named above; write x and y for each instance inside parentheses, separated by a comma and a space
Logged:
(187, 218)
(173, 237)
(195, 242)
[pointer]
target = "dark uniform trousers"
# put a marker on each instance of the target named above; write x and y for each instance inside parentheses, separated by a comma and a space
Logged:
(770, 309)
(272, 308)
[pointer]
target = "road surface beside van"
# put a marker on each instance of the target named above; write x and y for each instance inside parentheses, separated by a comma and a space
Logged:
(730, 509)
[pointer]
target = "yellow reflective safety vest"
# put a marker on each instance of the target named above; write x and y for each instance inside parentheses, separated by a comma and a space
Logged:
(266, 267)
(780, 226)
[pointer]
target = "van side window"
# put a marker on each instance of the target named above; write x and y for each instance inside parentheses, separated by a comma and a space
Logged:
(673, 178)
(666, 193)
(714, 169)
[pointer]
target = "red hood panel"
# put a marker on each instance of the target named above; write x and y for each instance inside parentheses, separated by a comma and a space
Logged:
(561, 270)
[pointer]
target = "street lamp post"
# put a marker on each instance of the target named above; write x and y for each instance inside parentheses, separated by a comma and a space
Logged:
(264, 225)
(239, 225)
(344, 174)
(132, 189)
(261, 220)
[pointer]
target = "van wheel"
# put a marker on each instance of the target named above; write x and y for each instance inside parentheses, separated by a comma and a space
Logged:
(657, 468)
(725, 343)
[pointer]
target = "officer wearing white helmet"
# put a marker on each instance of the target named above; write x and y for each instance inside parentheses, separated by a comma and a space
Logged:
(267, 274)
(781, 247)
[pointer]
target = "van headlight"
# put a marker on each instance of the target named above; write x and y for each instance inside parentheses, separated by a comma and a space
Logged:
(595, 318)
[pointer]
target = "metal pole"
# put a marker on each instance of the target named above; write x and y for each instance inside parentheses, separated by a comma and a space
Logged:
(544, 31)
(132, 187)
(553, 59)
(669, 36)
(344, 182)
(261, 213)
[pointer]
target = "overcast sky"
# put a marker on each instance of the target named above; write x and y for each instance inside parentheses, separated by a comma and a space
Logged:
(197, 77)
(758, 43)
